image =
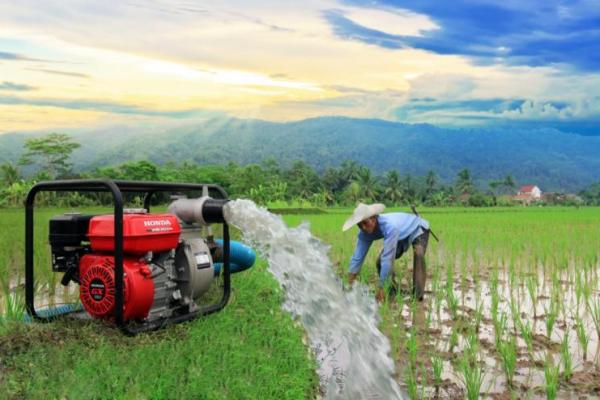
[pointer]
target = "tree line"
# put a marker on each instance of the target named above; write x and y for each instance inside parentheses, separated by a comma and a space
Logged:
(266, 182)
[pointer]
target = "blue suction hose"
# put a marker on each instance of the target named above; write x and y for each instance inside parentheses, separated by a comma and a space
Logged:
(48, 312)
(241, 257)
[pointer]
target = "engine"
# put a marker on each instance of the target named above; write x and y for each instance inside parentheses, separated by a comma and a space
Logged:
(167, 266)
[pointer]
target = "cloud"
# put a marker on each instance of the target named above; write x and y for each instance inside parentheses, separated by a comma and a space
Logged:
(499, 110)
(285, 61)
(509, 32)
(389, 20)
(104, 106)
(5, 55)
(62, 73)
(15, 87)
(450, 86)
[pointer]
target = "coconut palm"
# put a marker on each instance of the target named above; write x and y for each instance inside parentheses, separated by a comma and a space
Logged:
(393, 187)
(464, 182)
(9, 174)
(368, 184)
(430, 182)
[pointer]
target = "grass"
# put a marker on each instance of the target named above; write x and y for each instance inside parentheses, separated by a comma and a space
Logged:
(236, 353)
(251, 349)
(495, 272)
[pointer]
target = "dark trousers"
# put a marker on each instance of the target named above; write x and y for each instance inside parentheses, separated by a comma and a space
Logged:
(419, 269)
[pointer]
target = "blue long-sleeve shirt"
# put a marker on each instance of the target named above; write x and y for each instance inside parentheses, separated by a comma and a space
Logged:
(391, 227)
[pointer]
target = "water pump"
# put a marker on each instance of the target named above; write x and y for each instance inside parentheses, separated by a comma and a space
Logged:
(163, 261)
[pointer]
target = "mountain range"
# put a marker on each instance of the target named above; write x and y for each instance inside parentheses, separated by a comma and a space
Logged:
(550, 158)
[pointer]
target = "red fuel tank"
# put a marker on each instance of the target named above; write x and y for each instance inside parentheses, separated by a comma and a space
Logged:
(141, 233)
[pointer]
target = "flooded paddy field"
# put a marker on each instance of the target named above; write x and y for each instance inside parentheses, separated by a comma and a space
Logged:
(512, 306)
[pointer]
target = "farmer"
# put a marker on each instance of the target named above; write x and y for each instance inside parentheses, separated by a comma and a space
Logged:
(399, 231)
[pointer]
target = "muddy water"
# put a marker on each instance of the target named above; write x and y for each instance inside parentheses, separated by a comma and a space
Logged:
(529, 378)
(342, 326)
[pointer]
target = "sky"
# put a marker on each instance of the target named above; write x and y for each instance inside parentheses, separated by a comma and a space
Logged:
(86, 64)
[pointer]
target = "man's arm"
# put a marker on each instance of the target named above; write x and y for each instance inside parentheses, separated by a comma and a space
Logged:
(360, 252)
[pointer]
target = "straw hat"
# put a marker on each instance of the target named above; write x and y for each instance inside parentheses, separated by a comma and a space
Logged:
(362, 212)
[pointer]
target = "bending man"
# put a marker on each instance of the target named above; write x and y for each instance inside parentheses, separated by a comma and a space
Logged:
(399, 231)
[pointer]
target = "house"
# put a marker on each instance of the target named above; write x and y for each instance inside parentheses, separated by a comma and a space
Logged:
(529, 192)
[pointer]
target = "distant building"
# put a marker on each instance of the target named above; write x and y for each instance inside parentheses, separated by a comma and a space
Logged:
(531, 191)
(528, 194)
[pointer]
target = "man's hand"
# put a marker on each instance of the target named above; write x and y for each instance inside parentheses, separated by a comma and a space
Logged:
(379, 295)
(351, 278)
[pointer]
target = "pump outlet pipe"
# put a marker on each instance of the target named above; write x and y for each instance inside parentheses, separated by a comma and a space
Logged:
(206, 210)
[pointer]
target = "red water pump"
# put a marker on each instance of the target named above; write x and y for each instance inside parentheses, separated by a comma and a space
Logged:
(139, 269)
(163, 270)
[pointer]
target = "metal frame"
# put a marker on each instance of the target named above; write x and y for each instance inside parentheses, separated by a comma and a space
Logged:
(117, 187)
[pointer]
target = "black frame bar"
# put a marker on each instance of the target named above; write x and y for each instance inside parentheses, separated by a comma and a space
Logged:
(117, 188)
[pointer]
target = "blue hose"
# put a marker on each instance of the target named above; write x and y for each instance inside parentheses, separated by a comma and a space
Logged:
(55, 311)
(241, 257)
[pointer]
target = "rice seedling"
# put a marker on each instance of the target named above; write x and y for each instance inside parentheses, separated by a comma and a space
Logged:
(594, 310)
(411, 348)
(437, 366)
(451, 301)
(551, 373)
(551, 315)
(582, 336)
(499, 328)
(508, 354)
(532, 288)
(410, 379)
(478, 314)
(453, 340)
(470, 368)
(566, 359)
(14, 306)
(579, 289)
(526, 332)
(494, 305)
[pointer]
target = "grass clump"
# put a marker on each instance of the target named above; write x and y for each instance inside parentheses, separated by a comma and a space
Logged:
(251, 349)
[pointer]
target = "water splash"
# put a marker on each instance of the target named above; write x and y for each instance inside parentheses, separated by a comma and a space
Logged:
(341, 325)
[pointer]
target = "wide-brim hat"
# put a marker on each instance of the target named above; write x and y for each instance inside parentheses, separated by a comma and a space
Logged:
(362, 212)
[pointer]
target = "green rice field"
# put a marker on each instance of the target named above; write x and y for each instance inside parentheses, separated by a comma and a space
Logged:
(512, 307)
(512, 310)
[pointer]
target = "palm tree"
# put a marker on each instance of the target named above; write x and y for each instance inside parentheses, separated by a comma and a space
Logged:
(368, 184)
(10, 174)
(350, 170)
(464, 182)
(393, 187)
(409, 189)
(430, 182)
(509, 183)
(353, 193)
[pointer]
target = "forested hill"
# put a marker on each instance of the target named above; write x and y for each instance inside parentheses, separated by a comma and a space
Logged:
(552, 159)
